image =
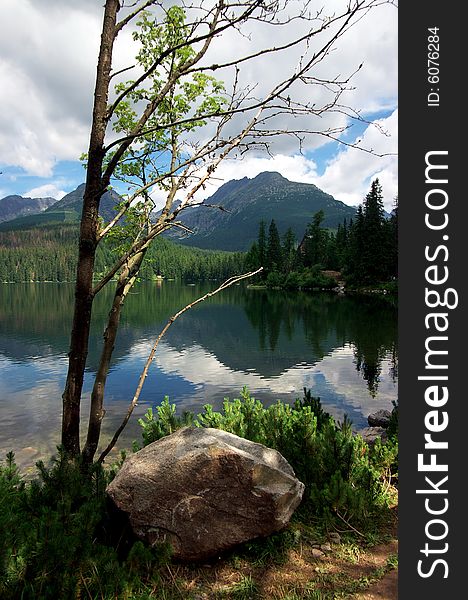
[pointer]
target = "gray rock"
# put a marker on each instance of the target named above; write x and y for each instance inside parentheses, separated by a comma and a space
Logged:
(205, 491)
(334, 537)
(371, 434)
(380, 418)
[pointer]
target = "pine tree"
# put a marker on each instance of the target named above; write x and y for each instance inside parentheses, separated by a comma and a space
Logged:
(274, 253)
(262, 246)
(373, 258)
(331, 258)
(289, 251)
(393, 241)
(341, 243)
(252, 258)
(316, 242)
(353, 263)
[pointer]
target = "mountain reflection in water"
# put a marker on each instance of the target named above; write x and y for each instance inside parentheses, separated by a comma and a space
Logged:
(341, 347)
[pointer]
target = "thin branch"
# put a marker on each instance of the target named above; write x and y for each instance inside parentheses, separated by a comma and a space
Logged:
(207, 38)
(348, 524)
(135, 249)
(181, 226)
(120, 71)
(223, 286)
(275, 93)
(313, 32)
(121, 24)
(218, 206)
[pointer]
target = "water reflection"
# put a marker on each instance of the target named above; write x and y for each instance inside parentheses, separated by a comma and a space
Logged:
(343, 348)
(329, 321)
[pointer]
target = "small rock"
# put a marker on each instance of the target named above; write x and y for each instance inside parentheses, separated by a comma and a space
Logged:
(334, 537)
(325, 547)
(371, 434)
(316, 553)
(380, 418)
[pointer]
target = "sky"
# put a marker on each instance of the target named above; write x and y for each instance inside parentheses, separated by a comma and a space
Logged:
(48, 53)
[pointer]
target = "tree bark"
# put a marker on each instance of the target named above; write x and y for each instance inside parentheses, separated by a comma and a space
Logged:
(94, 189)
(97, 412)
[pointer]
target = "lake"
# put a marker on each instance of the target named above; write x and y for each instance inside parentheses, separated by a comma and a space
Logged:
(344, 348)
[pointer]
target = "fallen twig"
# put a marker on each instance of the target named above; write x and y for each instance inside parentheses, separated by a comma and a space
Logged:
(349, 524)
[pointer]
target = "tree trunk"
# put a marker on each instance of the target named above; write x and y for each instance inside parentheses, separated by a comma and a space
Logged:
(94, 189)
(96, 413)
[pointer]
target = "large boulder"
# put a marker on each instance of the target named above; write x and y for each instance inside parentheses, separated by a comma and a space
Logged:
(205, 491)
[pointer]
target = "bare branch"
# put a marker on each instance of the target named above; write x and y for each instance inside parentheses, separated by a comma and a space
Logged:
(121, 24)
(181, 226)
(276, 93)
(223, 286)
(120, 71)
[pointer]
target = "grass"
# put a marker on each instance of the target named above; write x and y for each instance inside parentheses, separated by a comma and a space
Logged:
(286, 568)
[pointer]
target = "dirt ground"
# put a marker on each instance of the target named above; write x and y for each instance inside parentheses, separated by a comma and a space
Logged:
(357, 570)
(385, 589)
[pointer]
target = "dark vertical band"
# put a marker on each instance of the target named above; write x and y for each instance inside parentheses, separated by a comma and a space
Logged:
(432, 311)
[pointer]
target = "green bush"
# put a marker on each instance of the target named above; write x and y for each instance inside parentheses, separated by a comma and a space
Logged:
(54, 542)
(155, 427)
(292, 281)
(312, 278)
(342, 474)
(306, 279)
(275, 279)
(56, 538)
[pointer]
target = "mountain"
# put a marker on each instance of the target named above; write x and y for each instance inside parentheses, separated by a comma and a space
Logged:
(74, 202)
(245, 202)
(66, 210)
(14, 206)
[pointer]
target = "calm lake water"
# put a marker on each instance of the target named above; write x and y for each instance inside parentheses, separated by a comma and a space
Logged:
(341, 347)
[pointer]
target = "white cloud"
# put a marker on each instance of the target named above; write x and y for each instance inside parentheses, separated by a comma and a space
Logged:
(48, 190)
(204, 371)
(348, 176)
(45, 95)
(48, 55)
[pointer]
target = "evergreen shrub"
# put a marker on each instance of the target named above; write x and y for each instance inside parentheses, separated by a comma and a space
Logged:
(342, 474)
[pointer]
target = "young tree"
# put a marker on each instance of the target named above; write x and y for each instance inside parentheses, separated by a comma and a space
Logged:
(172, 126)
(353, 257)
(392, 257)
(252, 257)
(341, 243)
(262, 246)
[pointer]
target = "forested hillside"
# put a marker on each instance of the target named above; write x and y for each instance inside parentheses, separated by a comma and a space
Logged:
(49, 254)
